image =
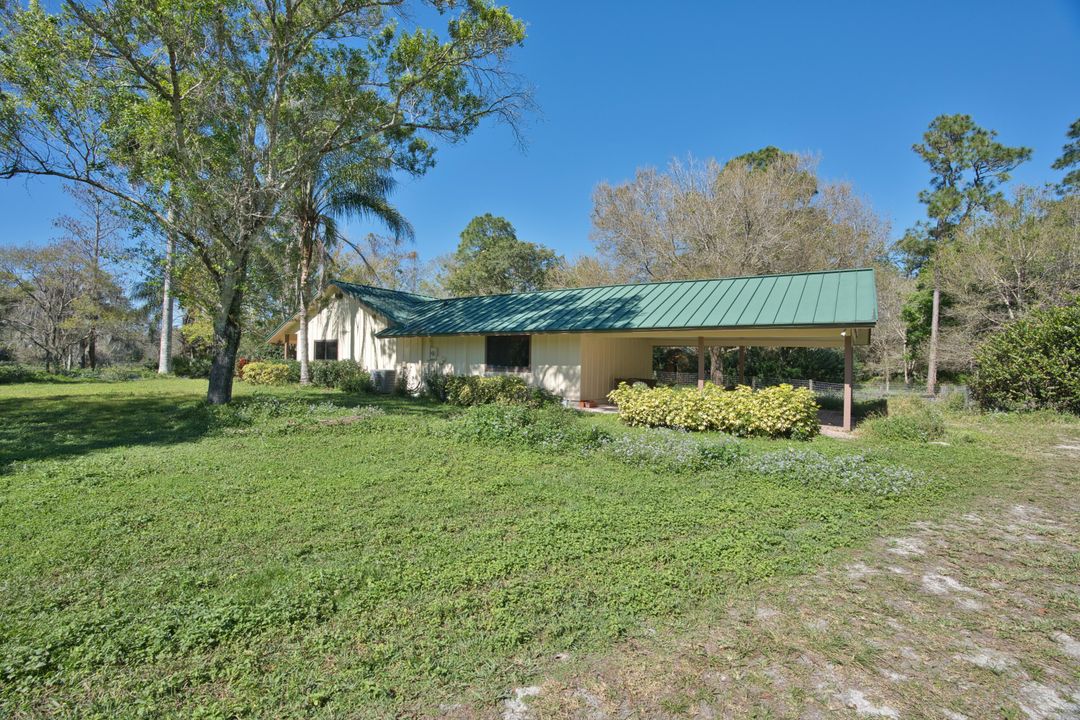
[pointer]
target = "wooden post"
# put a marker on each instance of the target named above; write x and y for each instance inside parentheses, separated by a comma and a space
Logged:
(285, 346)
(742, 365)
(848, 374)
(701, 363)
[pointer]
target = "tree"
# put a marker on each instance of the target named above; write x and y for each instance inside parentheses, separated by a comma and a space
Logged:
(707, 219)
(379, 260)
(1002, 265)
(490, 259)
(967, 166)
(761, 212)
(1070, 158)
(57, 297)
(97, 234)
(334, 190)
(205, 117)
(889, 340)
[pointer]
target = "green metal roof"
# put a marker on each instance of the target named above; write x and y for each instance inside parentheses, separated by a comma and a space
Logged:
(397, 305)
(836, 298)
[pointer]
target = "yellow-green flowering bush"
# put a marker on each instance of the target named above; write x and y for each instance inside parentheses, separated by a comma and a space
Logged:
(265, 373)
(781, 411)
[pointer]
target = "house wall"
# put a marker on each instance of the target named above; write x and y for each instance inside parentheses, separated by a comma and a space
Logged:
(605, 358)
(354, 326)
(555, 366)
(574, 366)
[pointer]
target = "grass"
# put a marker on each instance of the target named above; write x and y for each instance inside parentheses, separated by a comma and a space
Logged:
(298, 559)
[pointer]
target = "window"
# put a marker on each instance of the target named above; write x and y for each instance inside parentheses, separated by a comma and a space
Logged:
(507, 352)
(326, 349)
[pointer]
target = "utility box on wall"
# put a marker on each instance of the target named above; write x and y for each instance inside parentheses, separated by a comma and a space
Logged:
(383, 380)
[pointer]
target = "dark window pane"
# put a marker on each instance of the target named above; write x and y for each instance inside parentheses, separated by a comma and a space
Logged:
(325, 350)
(507, 351)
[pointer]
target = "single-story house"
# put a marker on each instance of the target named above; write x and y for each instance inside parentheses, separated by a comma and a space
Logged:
(577, 342)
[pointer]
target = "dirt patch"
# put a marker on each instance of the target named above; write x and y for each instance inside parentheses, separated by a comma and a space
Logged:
(971, 616)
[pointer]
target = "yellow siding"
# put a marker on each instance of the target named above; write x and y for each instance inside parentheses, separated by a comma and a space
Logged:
(572, 366)
(605, 358)
(556, 365)
(354, 326)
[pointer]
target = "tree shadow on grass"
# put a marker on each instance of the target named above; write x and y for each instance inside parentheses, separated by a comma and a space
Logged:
(67, 425)
(62, 426)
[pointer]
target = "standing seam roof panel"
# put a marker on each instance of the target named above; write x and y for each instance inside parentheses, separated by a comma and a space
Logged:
(657, 305)
(785, 313)
(801, 299)
(846, 294)
(731, 314)
(767, 314)
(825, 312)
(708, 302)
(749, 315)
(673, 318)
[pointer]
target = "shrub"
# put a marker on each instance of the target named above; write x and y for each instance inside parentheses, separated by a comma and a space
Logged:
(14, 373)
(780, 411)
(1033, 363)
(847, 472)
(198, 367)
(434, 384)
(672, 450)
(401, 384)
(265, 373)
(347, 375)
(910, 419)
(470, 390)
(358, 381)
(124, 373)
(545, 428)
(240, 363)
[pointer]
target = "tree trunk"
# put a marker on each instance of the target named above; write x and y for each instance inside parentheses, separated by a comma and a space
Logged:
(716, 360)
(91, 348)
(165, 348)
(302, 332)
(931, 364)
(227, 330)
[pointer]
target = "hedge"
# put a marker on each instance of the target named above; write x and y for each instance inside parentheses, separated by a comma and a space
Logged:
(780, 411)
(346, 375)
(470, 390)
(1032, 363)
(467, 390)
(265, 373)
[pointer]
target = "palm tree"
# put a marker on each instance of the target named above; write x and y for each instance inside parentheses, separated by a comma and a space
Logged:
(335, 190)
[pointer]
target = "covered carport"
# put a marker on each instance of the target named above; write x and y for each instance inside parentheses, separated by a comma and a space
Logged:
(640, 343)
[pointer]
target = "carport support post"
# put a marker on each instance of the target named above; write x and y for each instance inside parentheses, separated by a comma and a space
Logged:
(742, 364)
(848, 373)
(701, 363)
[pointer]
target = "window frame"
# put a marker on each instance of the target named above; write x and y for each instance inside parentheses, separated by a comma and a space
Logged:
(489, 367)
(323, 344)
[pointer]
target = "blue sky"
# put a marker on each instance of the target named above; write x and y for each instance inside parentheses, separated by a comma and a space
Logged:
(621, 85)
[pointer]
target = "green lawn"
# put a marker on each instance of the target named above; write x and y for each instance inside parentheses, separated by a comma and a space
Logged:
(163, 559)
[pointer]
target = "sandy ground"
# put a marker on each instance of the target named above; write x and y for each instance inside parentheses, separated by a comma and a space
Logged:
(973, 616)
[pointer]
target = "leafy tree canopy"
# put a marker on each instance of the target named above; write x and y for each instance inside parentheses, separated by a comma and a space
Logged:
(491, 259)
(967, 166)
(205, 117)
(1070, 158)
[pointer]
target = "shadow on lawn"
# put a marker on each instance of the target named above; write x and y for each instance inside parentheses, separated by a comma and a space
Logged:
(60, 426)
(66, 425)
